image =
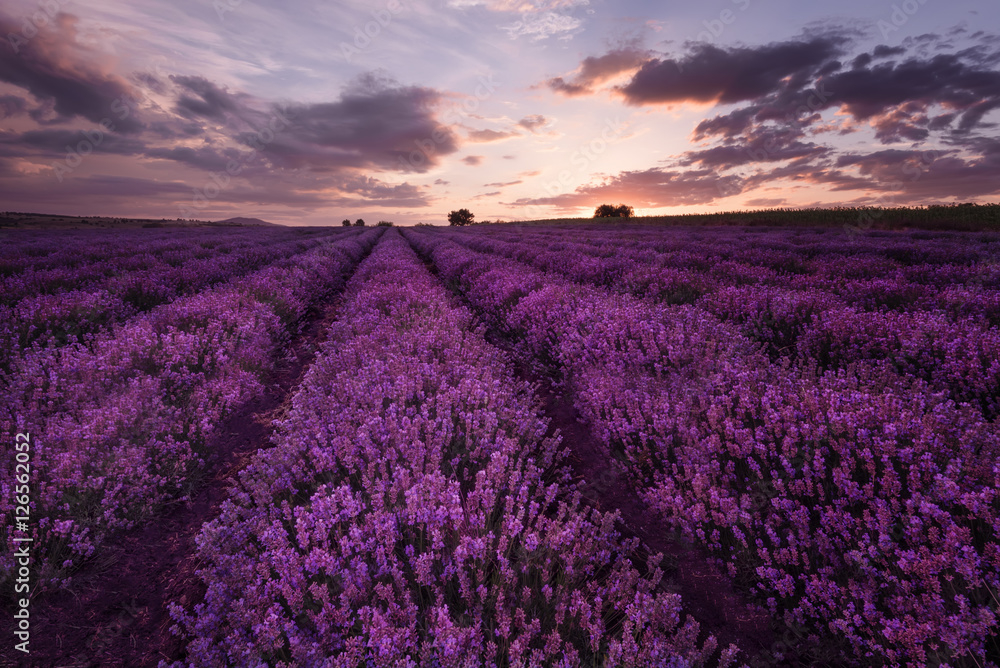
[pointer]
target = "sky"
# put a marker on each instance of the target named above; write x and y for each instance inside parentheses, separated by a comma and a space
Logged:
(307, 113)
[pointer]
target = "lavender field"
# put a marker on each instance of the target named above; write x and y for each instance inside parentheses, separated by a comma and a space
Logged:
(579, 445)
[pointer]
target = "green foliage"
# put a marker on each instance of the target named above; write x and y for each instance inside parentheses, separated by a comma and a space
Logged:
(612, 211)
(461, 217)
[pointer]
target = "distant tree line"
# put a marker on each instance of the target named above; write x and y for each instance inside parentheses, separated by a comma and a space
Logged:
(612, 211)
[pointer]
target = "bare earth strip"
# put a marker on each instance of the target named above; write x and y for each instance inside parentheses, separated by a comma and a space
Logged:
(706, 593)
(116, 613)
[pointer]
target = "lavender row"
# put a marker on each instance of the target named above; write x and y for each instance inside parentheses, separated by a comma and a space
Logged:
(861, 504)
(125, 263)
(954, 352)
(120, 427)
(80, 315)
(962, 276)
(414, 512)
(41, 249)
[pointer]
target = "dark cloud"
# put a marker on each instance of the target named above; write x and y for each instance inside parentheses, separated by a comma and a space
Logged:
(794, 81)
(728, 75)
(374, 126)
(765, 143)
(150, 81)
(12, 105)
(101, 187)
(595, 70)
(900, 176)
(473, 160)
(945, 79)
(371, 191)
(203, 98)
(727, 126)
(49, 144)
(55, 70)
(884, 51)
(204, 158)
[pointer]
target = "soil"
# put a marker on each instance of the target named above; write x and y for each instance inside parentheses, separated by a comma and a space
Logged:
(707, 595)
(115, 614)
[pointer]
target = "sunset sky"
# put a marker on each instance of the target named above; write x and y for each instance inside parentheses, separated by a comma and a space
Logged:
(311, 112)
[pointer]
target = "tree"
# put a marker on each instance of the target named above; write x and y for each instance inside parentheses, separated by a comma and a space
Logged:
(360, 222)
(460, 217)
(383, 223)
(612, 211)
(346, 223)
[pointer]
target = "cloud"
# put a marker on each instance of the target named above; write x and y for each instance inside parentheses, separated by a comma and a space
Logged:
(208, 101)
(883, 51)
(473, 160)
(595, 70)
(794, 81)
(52, 143)
(533, 122)
(502, 185)
(483, 136)
(769, 202)
(647, 188)
(65, 76)
(728, 75)
(949, 80)
(897, 175)
(204, 158)
(12, 105)
(543, 26)
(760, 143)
(373, 192)
(372, 125)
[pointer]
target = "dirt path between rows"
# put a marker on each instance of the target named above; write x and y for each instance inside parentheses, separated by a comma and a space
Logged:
(115, 613)
(706, 593)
